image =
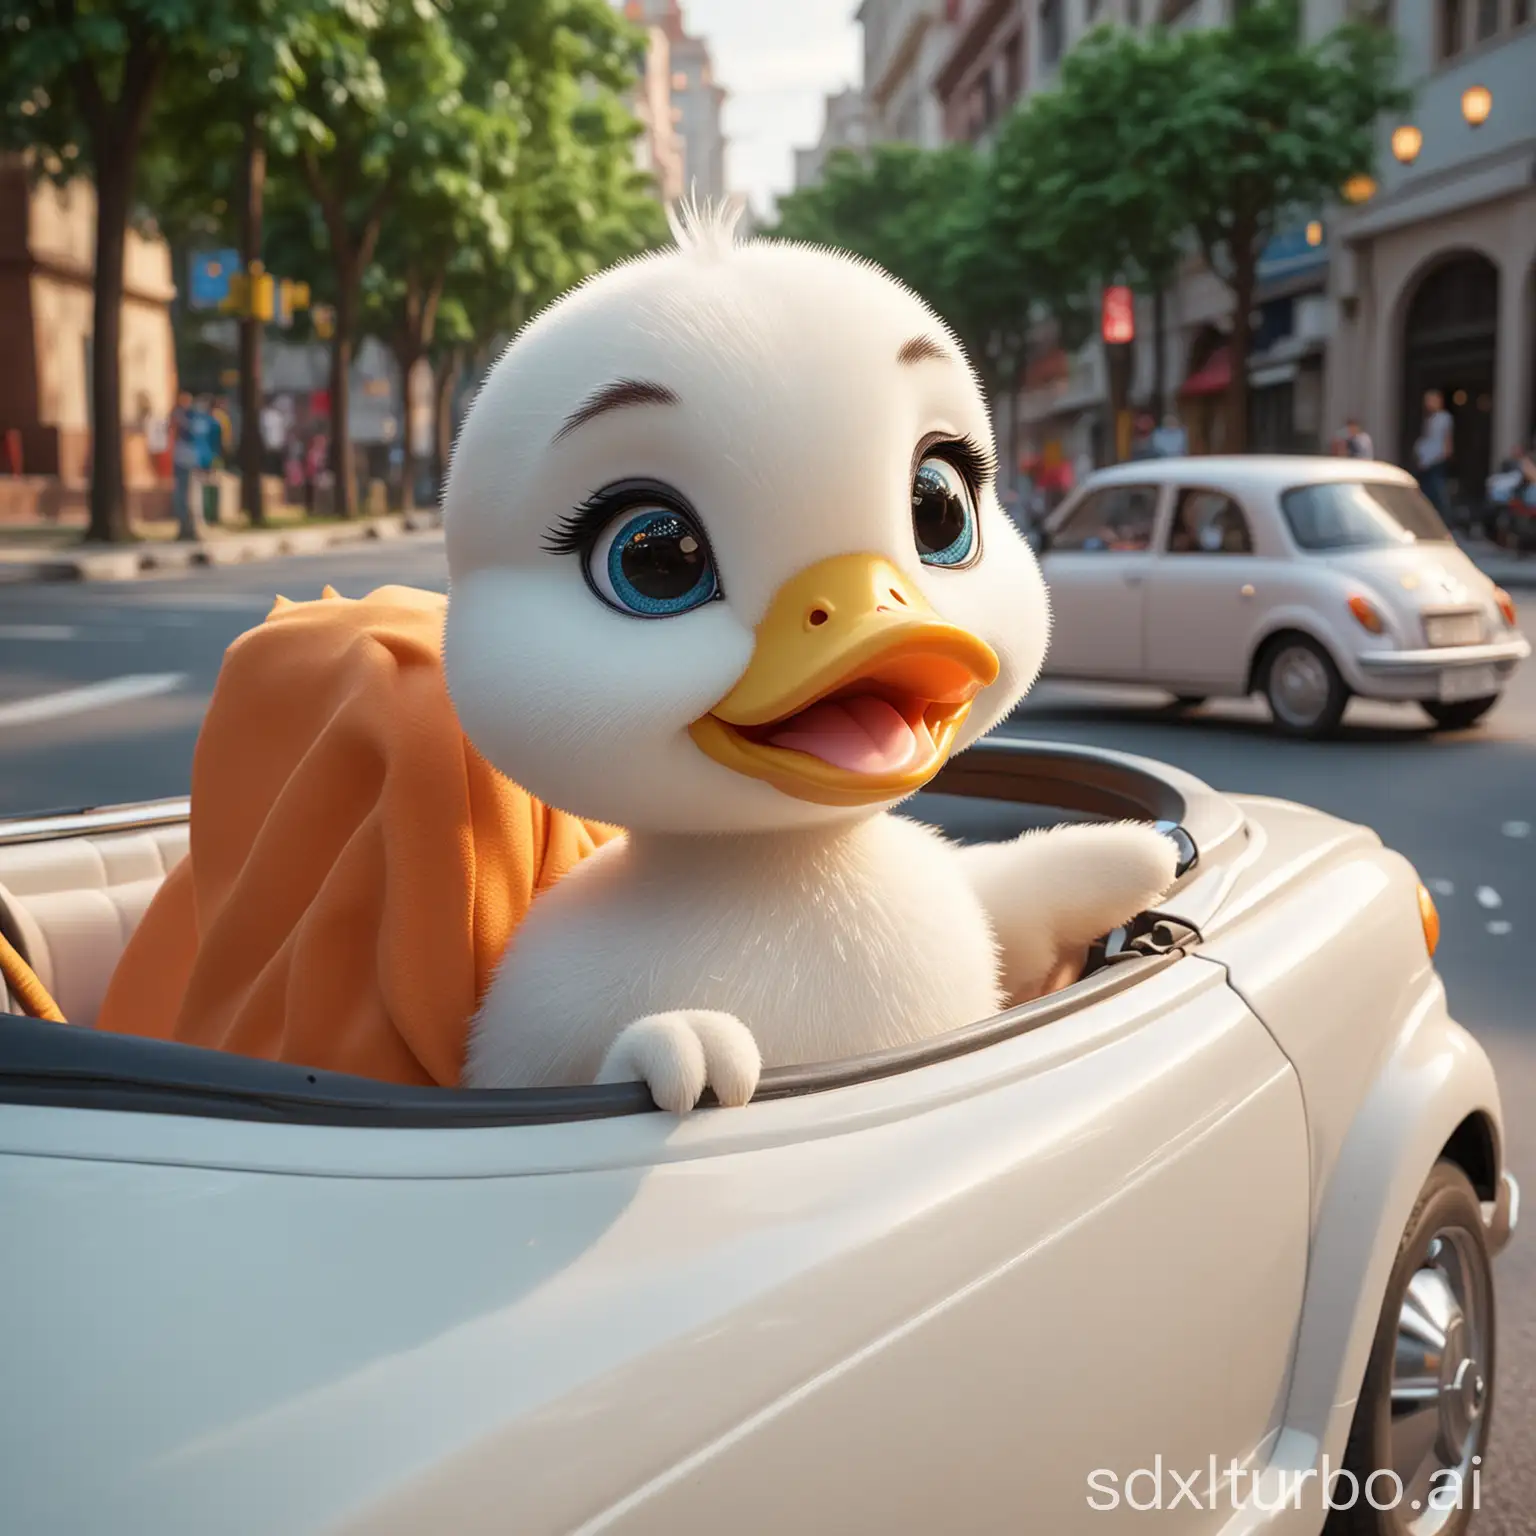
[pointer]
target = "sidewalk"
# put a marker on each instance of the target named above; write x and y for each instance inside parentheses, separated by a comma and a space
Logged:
(22, 560)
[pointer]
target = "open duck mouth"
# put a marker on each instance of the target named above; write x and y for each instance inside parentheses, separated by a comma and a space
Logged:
(856, 689)
(864, 728)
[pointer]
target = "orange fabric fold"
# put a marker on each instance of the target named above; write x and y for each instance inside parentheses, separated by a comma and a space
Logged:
(356, 868)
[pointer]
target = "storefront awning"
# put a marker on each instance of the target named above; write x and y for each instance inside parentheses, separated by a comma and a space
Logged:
(1213, 377)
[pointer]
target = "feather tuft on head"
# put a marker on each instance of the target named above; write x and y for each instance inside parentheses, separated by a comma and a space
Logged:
(706, 229)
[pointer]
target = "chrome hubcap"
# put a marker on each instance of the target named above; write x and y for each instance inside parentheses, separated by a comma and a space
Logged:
(1298, 686)
(1439, 1389)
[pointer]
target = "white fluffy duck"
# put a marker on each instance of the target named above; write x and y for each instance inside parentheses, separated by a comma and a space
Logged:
(728, 569)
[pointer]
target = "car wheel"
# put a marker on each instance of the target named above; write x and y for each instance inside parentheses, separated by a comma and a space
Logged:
(1305, 692)
(1424, 1412)
(1461, 714)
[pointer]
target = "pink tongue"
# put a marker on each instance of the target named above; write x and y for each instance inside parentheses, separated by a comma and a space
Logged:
(863, 734)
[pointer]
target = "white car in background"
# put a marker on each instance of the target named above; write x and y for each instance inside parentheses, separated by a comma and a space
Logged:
(1306, 579)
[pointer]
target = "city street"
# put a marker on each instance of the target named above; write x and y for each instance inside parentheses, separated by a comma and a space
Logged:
(102, 689)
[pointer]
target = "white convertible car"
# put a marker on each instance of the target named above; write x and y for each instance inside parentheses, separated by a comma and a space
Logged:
(1308, 580)
(1212, 1224)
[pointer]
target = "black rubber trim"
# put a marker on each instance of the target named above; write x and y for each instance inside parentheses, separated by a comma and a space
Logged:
(61, 1066)
(1066, 779)
(68, 1067)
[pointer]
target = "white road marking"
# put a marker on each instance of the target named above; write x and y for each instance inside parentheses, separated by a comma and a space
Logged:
(1488, 897)
(1499, 928)
(38, 631)
(1516, 829)
(77, 701)
(1442, 887)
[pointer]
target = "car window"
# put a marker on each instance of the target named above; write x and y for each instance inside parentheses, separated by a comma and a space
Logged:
(1118, 517)
(1208, 523)
(1361, 514)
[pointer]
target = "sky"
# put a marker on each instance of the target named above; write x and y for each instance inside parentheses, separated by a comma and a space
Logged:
(777, 60)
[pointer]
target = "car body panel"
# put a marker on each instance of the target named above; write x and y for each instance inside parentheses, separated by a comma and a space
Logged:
(326, 1349)
(1200, 621)
(1158, 1222)
(1098, 612)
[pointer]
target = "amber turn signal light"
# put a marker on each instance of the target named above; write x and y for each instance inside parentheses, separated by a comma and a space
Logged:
(1431, 920)
(1506, 605)
(1366, 615)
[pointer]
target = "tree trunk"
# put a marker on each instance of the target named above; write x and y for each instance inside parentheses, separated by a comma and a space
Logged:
(1117, 364)
(1159, 348)
(407, 355)
(348, 280)
(445, 380)
(108, 497)
(116, 130)
(1244, 281)
(252, 448)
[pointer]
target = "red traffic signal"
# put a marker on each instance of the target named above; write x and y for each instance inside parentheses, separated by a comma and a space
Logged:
(1119, 316)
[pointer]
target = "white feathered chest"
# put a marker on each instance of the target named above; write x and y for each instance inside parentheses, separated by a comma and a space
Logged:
(825, 945)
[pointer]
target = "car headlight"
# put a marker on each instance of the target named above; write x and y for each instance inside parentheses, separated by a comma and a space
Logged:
(1506, 605)
(1367, 615)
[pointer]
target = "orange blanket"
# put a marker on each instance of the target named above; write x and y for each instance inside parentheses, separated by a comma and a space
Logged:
(355, 868)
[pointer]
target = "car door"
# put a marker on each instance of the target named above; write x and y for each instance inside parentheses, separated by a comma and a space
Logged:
(1203, 597)
(1096, 566)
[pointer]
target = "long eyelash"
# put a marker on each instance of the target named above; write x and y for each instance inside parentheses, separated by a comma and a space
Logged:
(579, 528)
(977, 463)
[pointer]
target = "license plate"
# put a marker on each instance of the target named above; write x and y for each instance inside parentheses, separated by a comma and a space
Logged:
(1466, 683)
(1454, 629)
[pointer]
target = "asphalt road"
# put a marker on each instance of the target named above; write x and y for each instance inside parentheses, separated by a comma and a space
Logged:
(102, 689)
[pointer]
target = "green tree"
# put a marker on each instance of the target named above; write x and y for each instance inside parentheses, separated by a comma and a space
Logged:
(1073, 179)
(926, 216)
(537, 130)
(206, 164)
(78, 82)
(1257, 127)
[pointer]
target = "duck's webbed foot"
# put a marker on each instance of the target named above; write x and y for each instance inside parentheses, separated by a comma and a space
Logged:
(1052, 893)
(679, 1054)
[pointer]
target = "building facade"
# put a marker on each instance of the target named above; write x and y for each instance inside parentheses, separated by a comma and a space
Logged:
(47, 259)
(985, 65)
(697, 101)
(659, 150)
(845, 125)
(905, 43)
(1434, 272)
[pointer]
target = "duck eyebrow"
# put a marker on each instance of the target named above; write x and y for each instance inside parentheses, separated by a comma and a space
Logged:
(921, 349)
(615, 397)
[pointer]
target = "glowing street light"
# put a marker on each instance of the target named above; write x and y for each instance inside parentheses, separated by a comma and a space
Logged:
(1315, 232)
(1359, 189)
(1407, 141)
(1476, 104)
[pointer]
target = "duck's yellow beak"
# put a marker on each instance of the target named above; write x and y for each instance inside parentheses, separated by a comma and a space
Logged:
(856, 689)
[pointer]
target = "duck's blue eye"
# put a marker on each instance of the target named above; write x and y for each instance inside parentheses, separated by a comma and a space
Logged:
(943, 514)
(653, 561)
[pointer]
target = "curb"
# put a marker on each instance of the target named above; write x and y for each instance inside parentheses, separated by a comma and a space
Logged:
(106, 564)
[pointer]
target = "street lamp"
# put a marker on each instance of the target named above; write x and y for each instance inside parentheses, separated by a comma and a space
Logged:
(1315, 233)
(1358, 189)
(1407, 141)
(1476, 104)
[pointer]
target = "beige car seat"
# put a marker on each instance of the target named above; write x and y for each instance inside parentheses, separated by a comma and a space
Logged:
(70, 905)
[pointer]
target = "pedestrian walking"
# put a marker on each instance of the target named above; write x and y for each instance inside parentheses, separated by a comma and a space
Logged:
(1170, 441)
(1357, 441)
(185, 453)
(1432, 452)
